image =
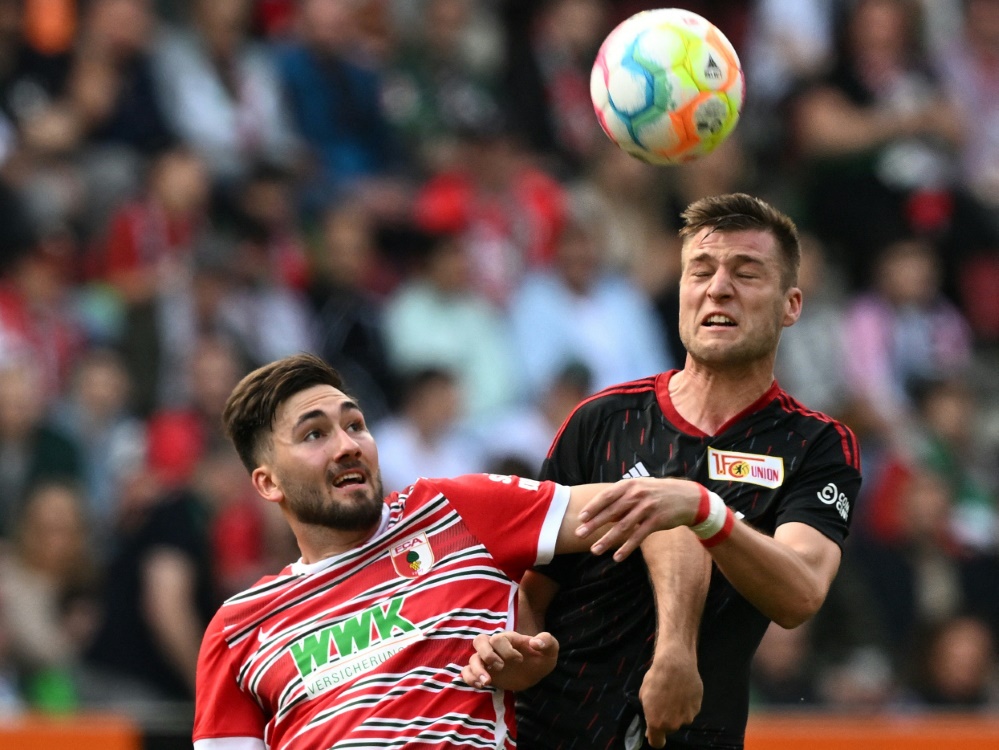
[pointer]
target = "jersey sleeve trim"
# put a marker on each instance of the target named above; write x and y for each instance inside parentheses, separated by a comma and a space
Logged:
(553, 522)
(230, 743)
(848, 441)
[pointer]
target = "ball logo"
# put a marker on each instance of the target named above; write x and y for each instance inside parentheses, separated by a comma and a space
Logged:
(713, 71)
(414, 557)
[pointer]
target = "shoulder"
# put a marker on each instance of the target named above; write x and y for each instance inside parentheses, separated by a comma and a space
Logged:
(819, 429)
(618, 397)
(608, 404)
(241, 612)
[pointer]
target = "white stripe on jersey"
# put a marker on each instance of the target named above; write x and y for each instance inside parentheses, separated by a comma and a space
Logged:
(230, 743)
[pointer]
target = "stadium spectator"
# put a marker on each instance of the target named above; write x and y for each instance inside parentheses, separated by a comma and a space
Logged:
(550, 48)
(269, 317)
(811, 359)
(435, 319)
(147, 257)
(968, 65)
(30, 79)
(181, 434)
(950, 444)
(113, 97)
(48, 608)
(247, 540)
(523, 434)
(970, 77)
(439, 80)
(159, 590)
(264, 203)
(334, 97)
(426, 437)
(222, 92)
(903, 331)
(37, 318)
(96, 413)
(349, 280)
(957, 667)
(912, 563)
(578, 311)
(782, 675)
(622, 198)
(877, 137)
(506, 211)
(32, 448)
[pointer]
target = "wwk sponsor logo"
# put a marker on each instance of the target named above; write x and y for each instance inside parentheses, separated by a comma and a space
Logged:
(353, 647)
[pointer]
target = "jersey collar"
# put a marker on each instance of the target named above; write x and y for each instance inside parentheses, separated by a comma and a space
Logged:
(666, 404)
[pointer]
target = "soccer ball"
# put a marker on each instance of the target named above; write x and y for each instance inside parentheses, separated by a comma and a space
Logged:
(667, 86)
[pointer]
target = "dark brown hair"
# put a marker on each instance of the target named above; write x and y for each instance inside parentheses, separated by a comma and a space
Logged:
(738, 212)
(249, 411)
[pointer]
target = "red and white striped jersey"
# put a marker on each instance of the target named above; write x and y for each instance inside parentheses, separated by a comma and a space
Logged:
(365, 649)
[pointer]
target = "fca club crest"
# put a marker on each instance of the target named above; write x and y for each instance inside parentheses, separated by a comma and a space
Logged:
(414, 557)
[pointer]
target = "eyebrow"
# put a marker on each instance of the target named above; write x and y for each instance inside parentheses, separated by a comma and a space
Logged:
(317, 413)
(739, 257)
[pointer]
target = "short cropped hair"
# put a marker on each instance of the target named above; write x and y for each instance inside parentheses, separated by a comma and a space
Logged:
(738, 212)
(249, 412)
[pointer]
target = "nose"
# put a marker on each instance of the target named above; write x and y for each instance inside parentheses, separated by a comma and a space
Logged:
(345, 446)
(721, 284)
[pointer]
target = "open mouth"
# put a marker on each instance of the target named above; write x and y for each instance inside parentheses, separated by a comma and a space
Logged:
(719, 320)
(348, 479)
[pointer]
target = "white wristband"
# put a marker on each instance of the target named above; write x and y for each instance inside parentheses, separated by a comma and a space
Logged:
(716, 516)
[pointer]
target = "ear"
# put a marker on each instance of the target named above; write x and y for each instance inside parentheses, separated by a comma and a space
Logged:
(266, 484)
(792, 307)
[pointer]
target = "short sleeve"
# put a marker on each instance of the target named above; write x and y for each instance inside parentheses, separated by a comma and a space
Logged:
(824, 494)
(222, 710)
(516, 519)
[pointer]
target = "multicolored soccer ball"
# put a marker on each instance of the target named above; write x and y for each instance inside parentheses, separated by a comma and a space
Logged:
(667, 86)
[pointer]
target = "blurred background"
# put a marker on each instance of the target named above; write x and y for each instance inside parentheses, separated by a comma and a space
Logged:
(418, 191)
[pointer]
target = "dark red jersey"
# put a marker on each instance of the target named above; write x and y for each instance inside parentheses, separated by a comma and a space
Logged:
(775, 462)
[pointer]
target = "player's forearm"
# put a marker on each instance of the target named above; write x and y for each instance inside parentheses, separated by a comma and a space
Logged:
(679, 571)
(786, 582)
(536, 593)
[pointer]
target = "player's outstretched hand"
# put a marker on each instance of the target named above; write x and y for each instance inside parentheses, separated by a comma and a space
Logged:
(635, 508)
(510, 660)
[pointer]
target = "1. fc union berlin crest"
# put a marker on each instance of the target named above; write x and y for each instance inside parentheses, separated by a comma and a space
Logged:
(414, 557)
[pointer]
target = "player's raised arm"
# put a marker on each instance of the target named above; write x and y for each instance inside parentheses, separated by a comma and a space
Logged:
(623, 514)
(786, 576)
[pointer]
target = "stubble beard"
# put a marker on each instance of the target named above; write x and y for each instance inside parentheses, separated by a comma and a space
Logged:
(747, 352)
(312, 504)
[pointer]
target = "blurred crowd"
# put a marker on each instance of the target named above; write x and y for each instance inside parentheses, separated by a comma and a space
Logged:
(418, 191)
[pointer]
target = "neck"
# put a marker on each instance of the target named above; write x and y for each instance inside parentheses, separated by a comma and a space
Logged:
(708, 397)
(321, 542)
